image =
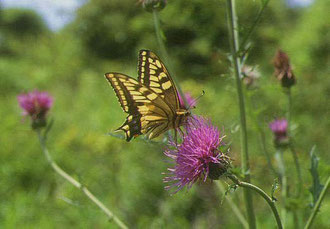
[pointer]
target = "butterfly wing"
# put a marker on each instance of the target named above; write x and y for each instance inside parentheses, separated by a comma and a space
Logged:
(153, 74)
(147, 111)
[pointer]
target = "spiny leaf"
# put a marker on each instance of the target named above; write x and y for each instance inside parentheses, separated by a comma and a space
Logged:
(316, 186)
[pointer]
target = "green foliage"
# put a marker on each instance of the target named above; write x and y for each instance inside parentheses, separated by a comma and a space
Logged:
(18, 27)
(127, 177)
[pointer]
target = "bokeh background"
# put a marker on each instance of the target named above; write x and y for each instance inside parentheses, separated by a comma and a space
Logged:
(66, 47)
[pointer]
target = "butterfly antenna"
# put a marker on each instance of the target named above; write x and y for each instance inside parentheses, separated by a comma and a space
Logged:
(195, 100)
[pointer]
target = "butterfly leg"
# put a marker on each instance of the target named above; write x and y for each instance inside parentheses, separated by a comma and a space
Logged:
(176, 137)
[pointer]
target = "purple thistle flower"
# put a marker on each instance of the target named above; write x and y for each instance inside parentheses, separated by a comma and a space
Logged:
(36, 105)
(198, 157)
(191, 102)
(279, 128)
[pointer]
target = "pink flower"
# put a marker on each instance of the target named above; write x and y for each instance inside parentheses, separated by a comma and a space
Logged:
(191, 102)
(279, 128)
(35, 104)
(198, 157)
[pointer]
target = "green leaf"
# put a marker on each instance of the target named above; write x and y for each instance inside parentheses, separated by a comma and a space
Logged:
(317, 186)
(274, 188)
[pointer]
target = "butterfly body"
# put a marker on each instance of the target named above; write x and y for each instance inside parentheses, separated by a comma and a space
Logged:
(151, 101)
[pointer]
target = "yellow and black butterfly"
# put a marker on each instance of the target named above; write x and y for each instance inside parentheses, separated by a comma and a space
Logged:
(152, 102)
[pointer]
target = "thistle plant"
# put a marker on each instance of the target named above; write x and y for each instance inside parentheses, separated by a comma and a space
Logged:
(36, 105)
(202, 154)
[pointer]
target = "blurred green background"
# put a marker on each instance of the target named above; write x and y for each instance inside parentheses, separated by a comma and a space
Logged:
(106, 35)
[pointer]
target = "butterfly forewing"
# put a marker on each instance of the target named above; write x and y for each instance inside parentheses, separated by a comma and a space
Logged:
(148, 112)
(153, 74)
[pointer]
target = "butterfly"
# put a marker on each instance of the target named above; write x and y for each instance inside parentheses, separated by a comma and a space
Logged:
(151, 102)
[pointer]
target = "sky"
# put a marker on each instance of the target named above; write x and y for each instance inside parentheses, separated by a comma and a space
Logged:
(58, 13)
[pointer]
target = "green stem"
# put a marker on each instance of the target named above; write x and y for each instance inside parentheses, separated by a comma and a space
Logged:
(163, 50)
(284, 182)
(298, 170)
(256, 22)
(262, 136)
(288, 92)
(78, 185)
(234, 46)
(233, 206)
(318, 204)
(263, 194)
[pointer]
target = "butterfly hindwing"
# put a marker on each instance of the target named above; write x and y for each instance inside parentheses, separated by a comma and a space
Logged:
(153, 74)
(148, 112)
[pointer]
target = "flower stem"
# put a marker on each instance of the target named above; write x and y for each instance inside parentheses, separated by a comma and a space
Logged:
(251, 30)
(284, 182)
(298, 170)
(160, 40)
(233, 206)
(294, 153)
(263, 194)
(318, 204)
(78, 185)
(262, 136)
(288, 92)
(234, 46)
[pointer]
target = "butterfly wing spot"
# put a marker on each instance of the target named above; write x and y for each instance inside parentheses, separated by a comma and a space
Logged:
(133, 81)
(126, 127)
(135, 93)
(157, 90)
(138, 97)
(151, 66)
(158, 64)
(154, 78)
(153, 84)
(162, 75)
(166, 85)
(143, 89)
(143, 109)
(152, 118)
(129, 118)
(130, 88)
(142, 69)
(152, 72)
(150, 60)
(152, 96)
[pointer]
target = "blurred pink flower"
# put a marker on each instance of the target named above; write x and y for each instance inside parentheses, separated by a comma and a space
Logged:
(198, 157)
(191, 102)
(279, 128)
(35, 104)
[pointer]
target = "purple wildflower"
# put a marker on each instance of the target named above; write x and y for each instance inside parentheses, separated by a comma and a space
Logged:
(191, 102)
(198, 157)
(280, 129)
(36, 105)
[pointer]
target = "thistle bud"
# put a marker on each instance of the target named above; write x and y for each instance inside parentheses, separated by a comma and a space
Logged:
(283, 71)
(151, 5)
(279, 128)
